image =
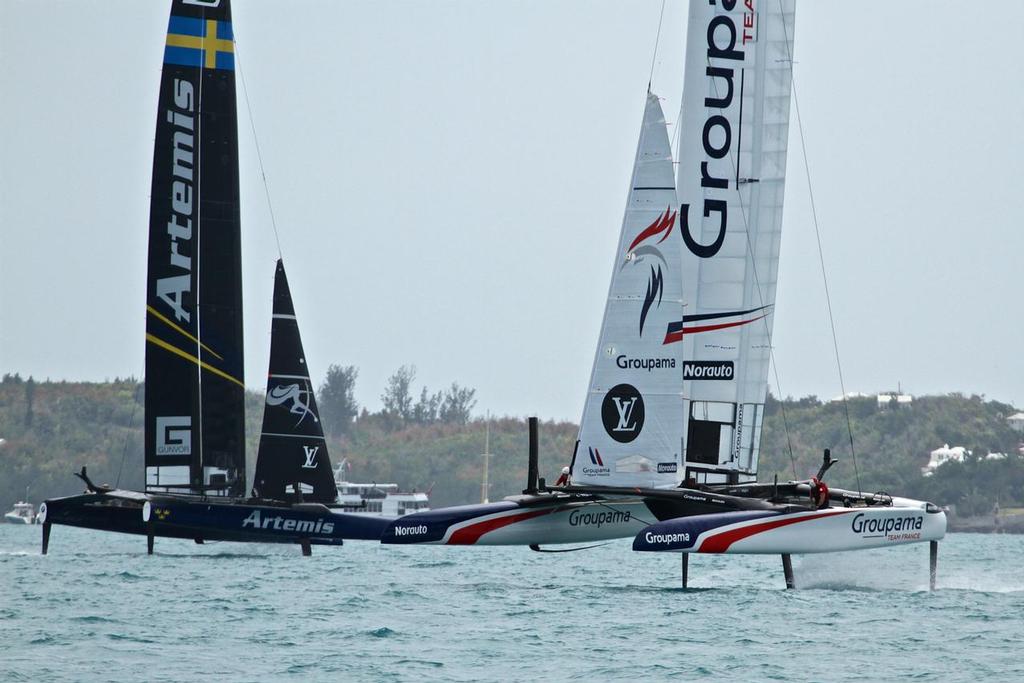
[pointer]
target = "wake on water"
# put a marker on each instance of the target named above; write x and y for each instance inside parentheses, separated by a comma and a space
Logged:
(905, 568)
(434, 613)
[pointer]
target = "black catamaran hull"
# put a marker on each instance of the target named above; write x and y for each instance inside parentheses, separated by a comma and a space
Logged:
(94, 511)
(103, 512)
(262, 523)
(203, 520)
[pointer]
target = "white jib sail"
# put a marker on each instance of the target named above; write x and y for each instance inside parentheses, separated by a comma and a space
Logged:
(734, 127)
(631, 432)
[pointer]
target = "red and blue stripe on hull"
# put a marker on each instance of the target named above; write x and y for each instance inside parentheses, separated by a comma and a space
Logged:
(460, 525)
(801, 531)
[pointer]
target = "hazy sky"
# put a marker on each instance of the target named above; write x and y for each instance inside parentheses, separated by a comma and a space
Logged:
(448, 180)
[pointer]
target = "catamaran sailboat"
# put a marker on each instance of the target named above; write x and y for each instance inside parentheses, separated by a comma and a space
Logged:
(293, 499)
(670, 437)
(195, 481)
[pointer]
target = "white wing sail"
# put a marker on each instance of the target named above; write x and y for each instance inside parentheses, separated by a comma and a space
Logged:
(631, 432)
(731, 177)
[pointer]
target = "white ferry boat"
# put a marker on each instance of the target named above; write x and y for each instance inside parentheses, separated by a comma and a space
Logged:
(23, 513)
(383, 500)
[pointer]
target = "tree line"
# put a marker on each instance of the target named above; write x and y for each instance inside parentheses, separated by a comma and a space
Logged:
(340, 413)
(420, 438)
(891, 445)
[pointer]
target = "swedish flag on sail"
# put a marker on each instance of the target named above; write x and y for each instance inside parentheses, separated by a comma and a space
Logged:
(200, 42)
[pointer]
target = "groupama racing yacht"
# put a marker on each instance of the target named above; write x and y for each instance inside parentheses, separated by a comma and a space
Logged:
(670, 435)
(195, 482)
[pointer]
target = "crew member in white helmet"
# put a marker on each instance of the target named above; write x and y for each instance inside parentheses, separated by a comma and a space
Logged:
(563, 480)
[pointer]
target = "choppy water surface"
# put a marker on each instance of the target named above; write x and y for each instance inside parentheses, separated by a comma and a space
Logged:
(97, 608)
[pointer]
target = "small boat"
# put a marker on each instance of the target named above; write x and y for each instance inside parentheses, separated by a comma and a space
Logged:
(23, 513)
(381, 500)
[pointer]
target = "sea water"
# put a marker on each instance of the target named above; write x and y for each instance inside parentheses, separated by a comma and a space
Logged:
(98, 608)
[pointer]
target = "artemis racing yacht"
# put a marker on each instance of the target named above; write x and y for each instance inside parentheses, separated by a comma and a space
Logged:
(195, 395)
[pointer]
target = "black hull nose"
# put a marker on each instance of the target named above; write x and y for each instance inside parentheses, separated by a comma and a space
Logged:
(96, 511)
(205, 520)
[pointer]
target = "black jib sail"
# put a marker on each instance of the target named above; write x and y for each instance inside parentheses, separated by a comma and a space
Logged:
(292, 456)
(195, 440)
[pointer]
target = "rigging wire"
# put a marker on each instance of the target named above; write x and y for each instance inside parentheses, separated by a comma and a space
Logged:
(259, 154)
(821, 260)
(657, 40)
(648, 522)
(828, 298)
(782, 405)
(650, 81)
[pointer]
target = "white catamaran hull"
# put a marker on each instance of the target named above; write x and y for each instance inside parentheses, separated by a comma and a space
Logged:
(511, 523)
(813, 531)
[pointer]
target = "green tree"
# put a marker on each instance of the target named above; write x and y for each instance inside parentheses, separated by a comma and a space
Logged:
(30, 395)
(426, 409)
(457, 405)
(338, 407)
(397, 396)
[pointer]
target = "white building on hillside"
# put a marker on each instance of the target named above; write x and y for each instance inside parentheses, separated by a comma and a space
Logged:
(848, 395)
(894, 399)
(941, 456)
(1017, 422)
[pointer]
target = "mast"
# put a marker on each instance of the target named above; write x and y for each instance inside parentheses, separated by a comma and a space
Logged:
(195, 394)
(734, 127)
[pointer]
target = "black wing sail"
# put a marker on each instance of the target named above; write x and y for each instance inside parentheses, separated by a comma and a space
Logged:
(292, 448)
(194, 359)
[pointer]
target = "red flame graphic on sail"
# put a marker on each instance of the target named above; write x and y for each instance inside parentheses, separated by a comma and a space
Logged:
(662, 224)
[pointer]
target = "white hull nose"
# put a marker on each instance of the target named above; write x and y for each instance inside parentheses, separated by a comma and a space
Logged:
(817, 531)
(846, 530)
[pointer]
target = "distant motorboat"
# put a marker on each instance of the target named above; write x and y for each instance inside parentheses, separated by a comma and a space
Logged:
(23, 513)
(383, 500)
